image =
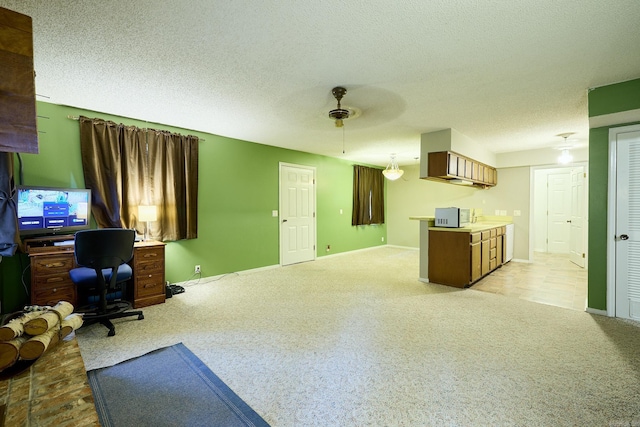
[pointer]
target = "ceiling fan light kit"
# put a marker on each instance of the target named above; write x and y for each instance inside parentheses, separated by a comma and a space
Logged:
(339, 114)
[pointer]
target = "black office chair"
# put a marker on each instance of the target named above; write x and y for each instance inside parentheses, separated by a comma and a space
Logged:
(102, 256)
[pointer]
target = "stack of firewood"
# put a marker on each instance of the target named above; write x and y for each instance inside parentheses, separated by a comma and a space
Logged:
(30, 335)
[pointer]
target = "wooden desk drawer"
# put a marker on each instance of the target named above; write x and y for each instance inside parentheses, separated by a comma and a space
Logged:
(52, 264)
(486, 235)
(493, 242)
(52, 281)
(150, 285)
(475, 237)
(492, 254)
(51, 296)
(493, 264)
(494, 232)
(149, 267)
(149, 254)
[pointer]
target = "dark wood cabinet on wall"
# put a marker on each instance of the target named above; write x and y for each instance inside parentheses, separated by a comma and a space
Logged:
(447, 165)
(18, 131)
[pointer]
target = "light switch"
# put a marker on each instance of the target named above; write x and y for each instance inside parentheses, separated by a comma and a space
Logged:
(274, 213)
(516, 212)
(340, 211)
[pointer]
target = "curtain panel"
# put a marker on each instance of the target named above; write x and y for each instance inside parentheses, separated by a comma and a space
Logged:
(368, 196)
(126, 166)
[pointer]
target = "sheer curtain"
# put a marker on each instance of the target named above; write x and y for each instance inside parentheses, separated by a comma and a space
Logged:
(368, 196)
(126, 166)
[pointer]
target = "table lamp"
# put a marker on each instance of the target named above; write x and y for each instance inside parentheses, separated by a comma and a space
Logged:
(147, 214)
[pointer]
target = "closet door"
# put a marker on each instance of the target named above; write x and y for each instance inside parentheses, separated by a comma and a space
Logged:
(627, 225)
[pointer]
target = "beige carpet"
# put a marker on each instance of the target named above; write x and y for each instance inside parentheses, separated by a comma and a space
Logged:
(357, 340)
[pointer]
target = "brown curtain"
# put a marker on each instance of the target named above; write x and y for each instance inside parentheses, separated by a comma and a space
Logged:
(126, 166)
(368, 196)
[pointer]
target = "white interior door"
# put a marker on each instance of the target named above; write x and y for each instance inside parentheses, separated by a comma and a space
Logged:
(627, 224)
(577, 225)
(558, 212)
(297, 214)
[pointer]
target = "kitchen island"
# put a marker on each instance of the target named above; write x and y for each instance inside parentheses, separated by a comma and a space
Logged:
(461, 256)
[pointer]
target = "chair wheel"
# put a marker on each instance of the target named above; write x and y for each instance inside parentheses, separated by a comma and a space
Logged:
(112, 332)
(141, 316)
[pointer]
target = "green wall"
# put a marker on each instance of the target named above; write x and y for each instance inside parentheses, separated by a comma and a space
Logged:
(238, 190)
(611, 99)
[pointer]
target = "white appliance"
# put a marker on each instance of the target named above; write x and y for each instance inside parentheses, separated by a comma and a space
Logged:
(452, 217)
(509, 234)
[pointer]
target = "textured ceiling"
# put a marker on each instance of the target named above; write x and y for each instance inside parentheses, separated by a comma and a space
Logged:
(510, 75)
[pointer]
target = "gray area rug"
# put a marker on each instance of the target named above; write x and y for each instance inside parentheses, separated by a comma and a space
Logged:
(167, 387)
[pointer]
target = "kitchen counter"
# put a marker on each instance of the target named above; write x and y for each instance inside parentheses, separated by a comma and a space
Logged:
(484, 225)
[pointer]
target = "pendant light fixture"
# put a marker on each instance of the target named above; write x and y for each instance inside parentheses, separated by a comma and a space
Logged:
(565, 155)
(393, 171)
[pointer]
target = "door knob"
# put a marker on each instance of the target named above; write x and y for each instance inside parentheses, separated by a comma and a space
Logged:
(624, 237)
(569, 221)
(284, 220)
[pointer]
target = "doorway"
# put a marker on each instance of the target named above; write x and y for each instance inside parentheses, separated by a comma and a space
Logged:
(297, 213)
(559, 212)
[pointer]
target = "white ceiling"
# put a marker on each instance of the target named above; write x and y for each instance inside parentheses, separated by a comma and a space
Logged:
(509, 74)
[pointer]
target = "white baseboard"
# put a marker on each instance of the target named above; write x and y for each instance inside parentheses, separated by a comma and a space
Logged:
(410, 248)
(596, 311)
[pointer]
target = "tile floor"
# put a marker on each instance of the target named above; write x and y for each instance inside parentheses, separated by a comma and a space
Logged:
(550, 279)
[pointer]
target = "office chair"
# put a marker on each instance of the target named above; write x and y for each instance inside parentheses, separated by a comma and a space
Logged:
(102, 256)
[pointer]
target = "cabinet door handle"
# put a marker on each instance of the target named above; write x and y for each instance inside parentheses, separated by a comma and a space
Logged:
(624, 237)
(54, 279)
(150, 255)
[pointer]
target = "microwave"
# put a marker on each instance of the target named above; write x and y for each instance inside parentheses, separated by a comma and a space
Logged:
(452, 217)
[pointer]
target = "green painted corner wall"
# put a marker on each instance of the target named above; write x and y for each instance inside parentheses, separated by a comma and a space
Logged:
(614, 98)
(610, 99)
(238, 190)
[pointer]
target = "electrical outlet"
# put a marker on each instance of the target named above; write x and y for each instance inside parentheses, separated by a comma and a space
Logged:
(328, 248)
(197, 269)
(383, 239)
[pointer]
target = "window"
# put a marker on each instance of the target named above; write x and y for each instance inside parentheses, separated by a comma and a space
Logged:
(368, 196)
(126, 166)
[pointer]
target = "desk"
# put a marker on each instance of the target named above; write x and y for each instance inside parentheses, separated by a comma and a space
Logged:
(50, 265)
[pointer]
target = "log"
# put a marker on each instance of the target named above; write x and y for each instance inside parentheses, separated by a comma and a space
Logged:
(9, 351)
(36, 346)
(49, 319)
(70, 324)
(15, 327)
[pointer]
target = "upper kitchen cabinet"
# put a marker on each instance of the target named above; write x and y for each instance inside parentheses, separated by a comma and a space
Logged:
(18, 131)
(455, 168)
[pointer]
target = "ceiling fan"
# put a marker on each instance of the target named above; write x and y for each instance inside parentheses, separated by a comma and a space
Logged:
(339, 114)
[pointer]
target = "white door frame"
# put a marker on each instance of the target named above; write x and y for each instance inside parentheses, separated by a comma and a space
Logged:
(612, 215)
(280, 209)
(532, 173)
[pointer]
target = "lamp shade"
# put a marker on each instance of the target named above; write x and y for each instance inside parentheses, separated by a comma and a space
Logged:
(565, 157)
(393, 171)
(392, 174)
(147, 213)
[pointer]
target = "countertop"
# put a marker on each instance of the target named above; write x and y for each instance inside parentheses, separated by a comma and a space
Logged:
(484, 223)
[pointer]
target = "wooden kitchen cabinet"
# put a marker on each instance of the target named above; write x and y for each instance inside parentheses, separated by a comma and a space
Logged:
(18, 131)
(459, 259)
(447, 165)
